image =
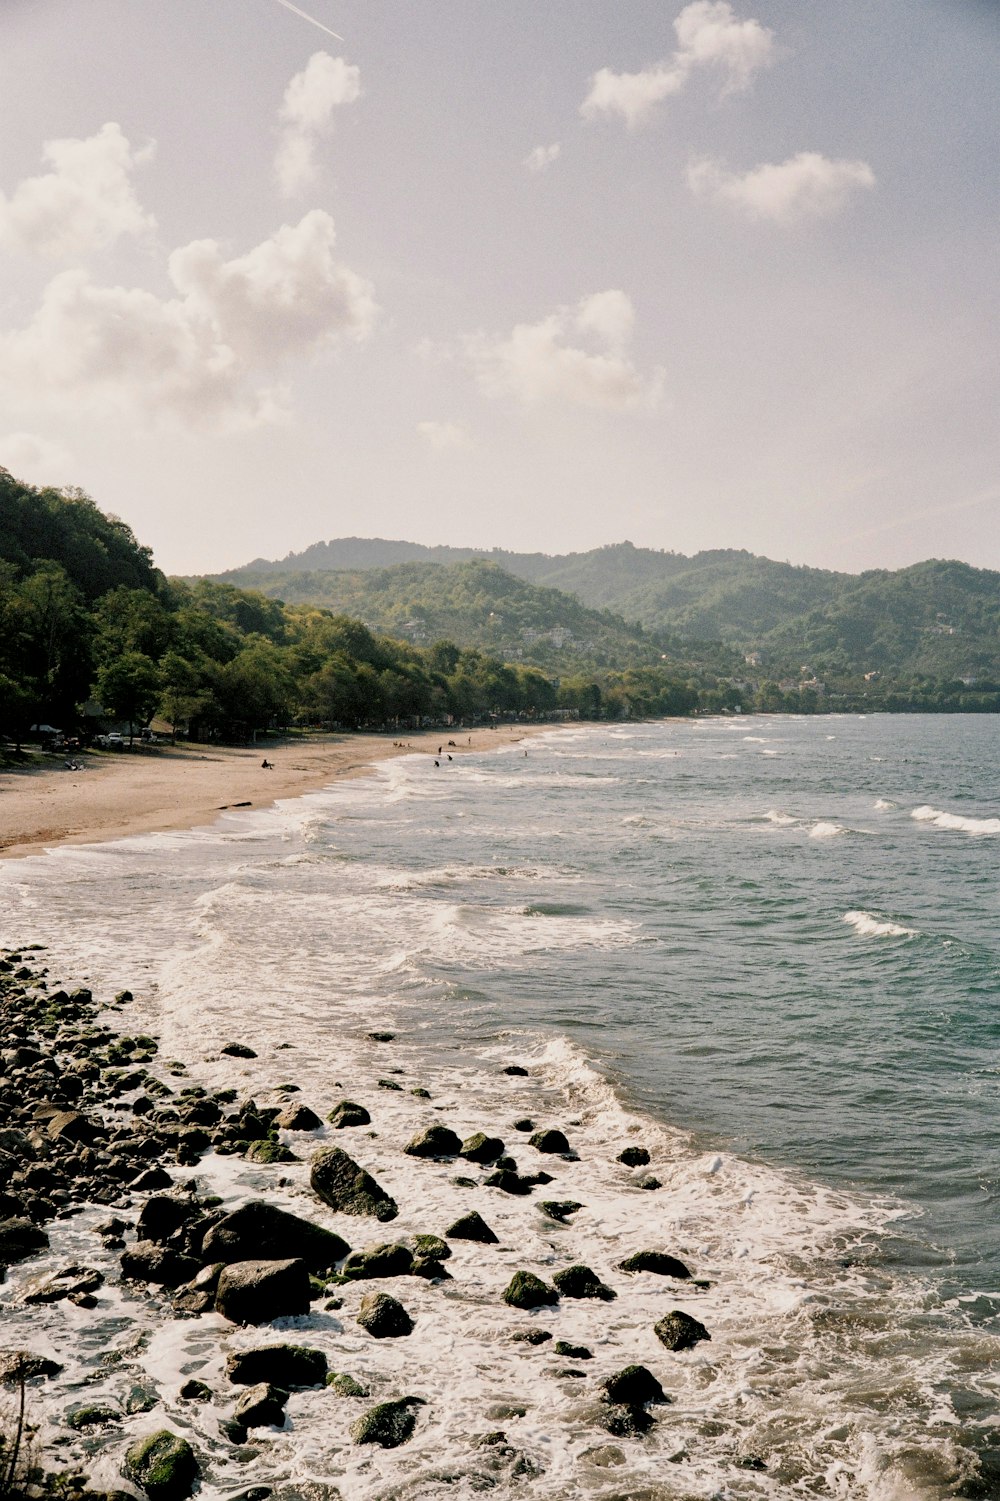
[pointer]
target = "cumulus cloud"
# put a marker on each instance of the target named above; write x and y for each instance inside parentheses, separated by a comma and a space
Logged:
(306, 116)
(577, 354)
(37, 460)
(84, 203)
(806, 186)
(442, 436)
(709, 35)
(542, 157)
(199, 356)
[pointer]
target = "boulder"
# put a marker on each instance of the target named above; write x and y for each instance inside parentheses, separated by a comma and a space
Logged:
(24, 1365)
(524, 1124)
(261, 1406)
(431, 1248)
(679, 1331)
(237, 1050)
(71, 1126)
(515, 1070)
(285, 1365)
(348, 1114)
(163, 1215)
(346, 1386)
(390, 1259)
(434, 1141)
(261, 1232)
(531, 1336)
(472, 1226)
(573, 1352)
(559, 1209)
(162, 1465)
(627, 1422)
(161, 1265)
(75, 1282)
(341, 1183)
(634, 1157)
(509, 1182)
(481, 1148)
(384, 1317)
(298, 1118)
(655, 1261)
(648, 1181)
(632, 1387)
(580, 1282)
(268, 1151)
(389, 1424)
(195, 1391)
(525, 1290)
(20, 1239)
(549, 1141)
(254, 1292)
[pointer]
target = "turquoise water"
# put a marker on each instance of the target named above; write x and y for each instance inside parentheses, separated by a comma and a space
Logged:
(776, 939)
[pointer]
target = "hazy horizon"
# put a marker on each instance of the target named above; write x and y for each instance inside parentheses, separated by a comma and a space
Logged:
(712, 275)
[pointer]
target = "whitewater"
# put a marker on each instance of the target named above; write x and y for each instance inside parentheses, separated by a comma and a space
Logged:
(765, 950)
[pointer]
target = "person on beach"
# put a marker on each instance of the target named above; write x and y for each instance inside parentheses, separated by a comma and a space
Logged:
(267, 765)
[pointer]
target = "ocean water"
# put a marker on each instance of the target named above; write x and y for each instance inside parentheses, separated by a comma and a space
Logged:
(766, 949)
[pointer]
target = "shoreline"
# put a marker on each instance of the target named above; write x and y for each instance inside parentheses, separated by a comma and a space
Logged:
(116, 795)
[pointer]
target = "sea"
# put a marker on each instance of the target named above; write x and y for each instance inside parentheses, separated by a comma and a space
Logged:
(765, 949)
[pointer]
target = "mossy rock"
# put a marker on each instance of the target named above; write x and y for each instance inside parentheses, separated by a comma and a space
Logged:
(525, 1290)
(389, 1424)
(267, 1152)
(472, 1226)
(346, 1386)
(580, 1282)
(679, 1331)
(659, 1262)
(163, 1465)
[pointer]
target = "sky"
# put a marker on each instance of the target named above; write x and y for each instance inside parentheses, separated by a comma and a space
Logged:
(533, 276)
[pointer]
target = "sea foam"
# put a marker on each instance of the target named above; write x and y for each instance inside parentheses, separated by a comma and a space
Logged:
(974, 826)
(870, 926)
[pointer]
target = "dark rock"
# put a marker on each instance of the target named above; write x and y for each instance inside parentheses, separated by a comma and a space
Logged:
(254, 1292)
(348, 1114)
(524, 1124)
(19, 1239)
(237, 1050)
(509, 1182)
(23, 1365)
(70, 1125)
(92, 1417)
(259, 1231)
(346, 1386)
(525, 1290)
(679, 1331)
(152, 1180)
(655, 1261)
(559, 1209)
(267, 1152)
(389, 1084)
(531, 1336)
(431, 1247)
(549, 1141)
(341, 1183)
(391, 1259)
(632, 1387)
(648, 1181)
(71, 1282)
(233, 1431)
(285, 1365)
(434, 1141)
(381, 1036)
(472, 1226)
(633, 1157)
(539, 1179)
(605, 1456)
(420, 1093)
(162, 1265)
(481, 1148)
(430, 1268)
(573, 1352)
(384, 1317)
(389, 1424)
(162, 1465)
(580, 1282)
(298, 1118)
(261, 1406)
(515, 1070)
(163, 1215)
(195, 1391)
(627, 1422)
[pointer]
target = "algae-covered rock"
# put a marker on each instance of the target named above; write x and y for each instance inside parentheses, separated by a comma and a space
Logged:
(24, 1365)
(509, 1182)
(573, 1352)
(634, 1157)
(559, 1209)
(348, 1114)
(298, 1118)
(627, 1422)
(580, 1282)
(679, 1331)
(549, 1141)
(472, 1227)
(531, 1336)
(389, 1424)
(391, 1259)
(341, 1183)
(163, 1465)
(481, 1148)
(431, 1247)
(268, 1152)
(237, 1050)
(655, 1261)
(525, 1290)
(633, 1387)
(346, 1386)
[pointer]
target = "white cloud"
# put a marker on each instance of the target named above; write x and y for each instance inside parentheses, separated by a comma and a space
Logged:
(442, 436)
(306, 115)
(709, 35)
(806, 186)
(85, 203)
(200, 356)
(537, 363)
(36, 460)
(542, 157)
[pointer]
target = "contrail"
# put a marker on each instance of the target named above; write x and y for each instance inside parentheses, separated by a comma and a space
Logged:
(294, 8)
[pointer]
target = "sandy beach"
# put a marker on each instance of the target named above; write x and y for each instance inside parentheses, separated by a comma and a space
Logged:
(180, 787)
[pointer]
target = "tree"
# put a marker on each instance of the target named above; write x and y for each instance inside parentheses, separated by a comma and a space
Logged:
(129, 686)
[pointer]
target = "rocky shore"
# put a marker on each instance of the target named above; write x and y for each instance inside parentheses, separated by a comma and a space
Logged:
(106, 1210)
